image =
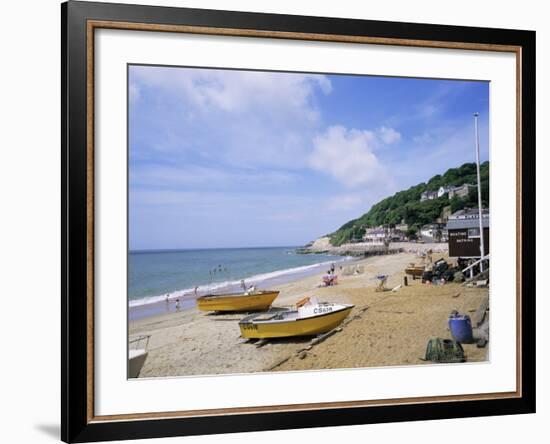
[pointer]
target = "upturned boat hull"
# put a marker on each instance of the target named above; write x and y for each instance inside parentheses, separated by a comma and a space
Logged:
(415, 271)
(309, 326)
(237, 302)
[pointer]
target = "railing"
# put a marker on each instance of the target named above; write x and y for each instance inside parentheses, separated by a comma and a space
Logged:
(471, 266)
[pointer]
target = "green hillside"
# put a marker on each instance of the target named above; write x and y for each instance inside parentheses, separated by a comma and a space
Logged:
(406, 205)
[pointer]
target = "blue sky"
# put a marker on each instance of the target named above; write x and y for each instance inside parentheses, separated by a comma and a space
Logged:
(228, 158)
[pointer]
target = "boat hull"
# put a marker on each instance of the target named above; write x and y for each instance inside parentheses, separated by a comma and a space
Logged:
(241, 302)
(136, 360)
(414, 271)
(300, 327)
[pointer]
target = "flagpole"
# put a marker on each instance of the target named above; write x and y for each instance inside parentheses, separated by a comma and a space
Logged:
(481, 243)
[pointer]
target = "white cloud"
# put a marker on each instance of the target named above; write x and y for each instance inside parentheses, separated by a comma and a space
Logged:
(174, 177)
(345, 202)
(348, 156)
(389, 135)
(426, 138)
(260, 118)
(238, 91)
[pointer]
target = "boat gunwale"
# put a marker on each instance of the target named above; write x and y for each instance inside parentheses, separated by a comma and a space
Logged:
(238, 295)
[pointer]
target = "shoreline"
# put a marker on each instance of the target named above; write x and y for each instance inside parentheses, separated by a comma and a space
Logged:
(157, 304)
(368, 249)
(388, 328)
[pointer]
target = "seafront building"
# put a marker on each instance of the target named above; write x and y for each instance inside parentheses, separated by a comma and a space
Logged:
(436, 232)
(382, 234)
(464, 233)
(402, 226)
(376, 235)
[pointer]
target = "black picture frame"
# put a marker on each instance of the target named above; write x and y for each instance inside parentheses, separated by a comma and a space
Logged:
(77, 425)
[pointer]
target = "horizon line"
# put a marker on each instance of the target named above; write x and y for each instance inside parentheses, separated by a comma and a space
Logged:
(150, 250)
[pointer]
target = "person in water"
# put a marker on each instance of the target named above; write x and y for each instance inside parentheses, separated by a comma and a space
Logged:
(332, 268)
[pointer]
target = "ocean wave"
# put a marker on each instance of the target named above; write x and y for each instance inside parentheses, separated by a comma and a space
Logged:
(258, 280)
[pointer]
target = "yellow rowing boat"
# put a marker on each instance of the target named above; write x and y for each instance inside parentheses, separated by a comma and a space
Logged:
(307, 320)
(254, 301)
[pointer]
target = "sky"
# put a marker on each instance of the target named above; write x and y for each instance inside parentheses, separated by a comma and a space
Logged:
(229, 158)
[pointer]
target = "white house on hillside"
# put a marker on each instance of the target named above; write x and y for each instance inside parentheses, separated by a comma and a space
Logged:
(461, 191)
(428, 195)
(402, 226)
(442, 191)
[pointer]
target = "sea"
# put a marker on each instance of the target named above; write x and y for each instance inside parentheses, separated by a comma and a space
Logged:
(157, 278)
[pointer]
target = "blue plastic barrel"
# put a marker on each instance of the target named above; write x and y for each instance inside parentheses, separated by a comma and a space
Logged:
(461, 328)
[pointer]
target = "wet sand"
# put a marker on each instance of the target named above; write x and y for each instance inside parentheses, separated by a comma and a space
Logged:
(385, 328)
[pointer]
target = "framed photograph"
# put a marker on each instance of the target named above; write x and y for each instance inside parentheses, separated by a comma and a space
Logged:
(275, 221)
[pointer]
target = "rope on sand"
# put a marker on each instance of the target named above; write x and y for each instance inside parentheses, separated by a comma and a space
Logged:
(318, 339)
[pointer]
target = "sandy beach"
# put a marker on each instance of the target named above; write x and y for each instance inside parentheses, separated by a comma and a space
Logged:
(384, 328)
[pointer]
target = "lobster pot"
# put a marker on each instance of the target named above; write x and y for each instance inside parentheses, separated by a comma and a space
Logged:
(461, 328)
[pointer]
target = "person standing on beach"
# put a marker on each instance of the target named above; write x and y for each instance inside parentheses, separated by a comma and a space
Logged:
(332, 268)
(177, 304)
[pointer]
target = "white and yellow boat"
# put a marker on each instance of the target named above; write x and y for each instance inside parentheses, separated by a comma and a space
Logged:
(309, 319)
(251, 301)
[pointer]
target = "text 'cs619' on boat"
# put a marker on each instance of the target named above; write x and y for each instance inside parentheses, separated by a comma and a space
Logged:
(307, 319)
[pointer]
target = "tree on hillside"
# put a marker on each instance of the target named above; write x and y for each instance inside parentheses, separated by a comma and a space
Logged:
(405, 205)
(412, 233)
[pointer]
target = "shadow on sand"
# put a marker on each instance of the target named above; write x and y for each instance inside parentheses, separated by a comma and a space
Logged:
(236, 316)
